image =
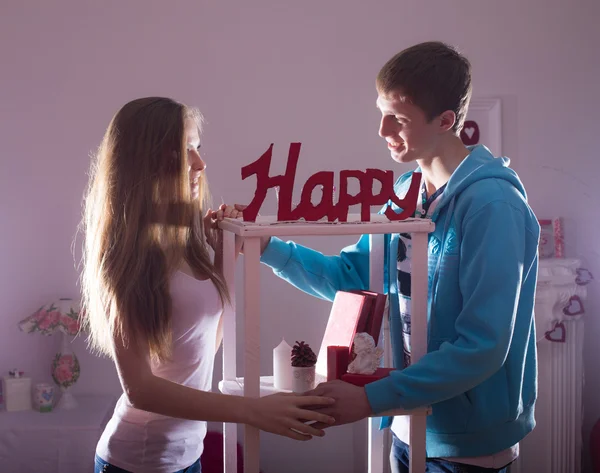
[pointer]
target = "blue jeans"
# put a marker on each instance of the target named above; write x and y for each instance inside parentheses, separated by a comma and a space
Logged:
(399, 462)
(103, 467)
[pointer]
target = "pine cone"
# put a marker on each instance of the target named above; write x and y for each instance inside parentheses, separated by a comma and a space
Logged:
(302, 355)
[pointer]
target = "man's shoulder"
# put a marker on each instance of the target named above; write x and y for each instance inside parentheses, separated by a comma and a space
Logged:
(489, 190)
(498, 196)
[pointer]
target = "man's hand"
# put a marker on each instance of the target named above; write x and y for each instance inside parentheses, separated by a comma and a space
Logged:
(351, 403)
(287, 414)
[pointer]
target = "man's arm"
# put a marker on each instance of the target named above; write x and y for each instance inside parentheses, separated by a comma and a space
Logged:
(316, 274)
(490, 283)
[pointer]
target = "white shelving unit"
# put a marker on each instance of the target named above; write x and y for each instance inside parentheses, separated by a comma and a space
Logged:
(253, 385)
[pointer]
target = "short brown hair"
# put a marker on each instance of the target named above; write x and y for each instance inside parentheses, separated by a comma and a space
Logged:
(434, 76)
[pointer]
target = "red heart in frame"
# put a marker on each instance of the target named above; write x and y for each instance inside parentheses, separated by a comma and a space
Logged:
(470, 133)
(574, 307)
(557, 334)
(584, 276)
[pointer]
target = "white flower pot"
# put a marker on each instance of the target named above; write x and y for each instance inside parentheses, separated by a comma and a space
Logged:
(303, 378)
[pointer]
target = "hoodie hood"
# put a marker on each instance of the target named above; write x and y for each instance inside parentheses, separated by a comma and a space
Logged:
(479, 164)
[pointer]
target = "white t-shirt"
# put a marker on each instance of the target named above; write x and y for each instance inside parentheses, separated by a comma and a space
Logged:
(401, 425)
(141, 441)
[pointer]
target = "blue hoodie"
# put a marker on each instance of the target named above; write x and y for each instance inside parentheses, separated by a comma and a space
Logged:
(480, 371)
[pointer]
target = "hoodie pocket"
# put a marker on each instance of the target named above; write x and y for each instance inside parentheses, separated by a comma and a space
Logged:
(491, 403)
(451, 416)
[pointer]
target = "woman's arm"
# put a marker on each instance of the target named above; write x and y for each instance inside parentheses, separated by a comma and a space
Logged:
(219, 333)
(277, 413)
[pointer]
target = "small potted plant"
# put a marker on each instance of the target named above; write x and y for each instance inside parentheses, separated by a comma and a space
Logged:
(303, 367)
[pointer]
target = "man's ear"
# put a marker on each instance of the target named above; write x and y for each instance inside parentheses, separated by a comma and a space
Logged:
(447, 121)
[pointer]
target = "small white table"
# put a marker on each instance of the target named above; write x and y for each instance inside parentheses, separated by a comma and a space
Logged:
(60, 441)
(252, 385)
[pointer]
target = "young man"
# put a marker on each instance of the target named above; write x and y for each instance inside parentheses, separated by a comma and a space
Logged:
(479, 374)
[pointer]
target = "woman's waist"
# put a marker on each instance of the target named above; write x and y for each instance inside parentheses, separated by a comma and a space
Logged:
(130, 423)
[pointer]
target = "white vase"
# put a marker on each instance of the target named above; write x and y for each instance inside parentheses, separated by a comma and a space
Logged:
(66, 360)
(303, 378)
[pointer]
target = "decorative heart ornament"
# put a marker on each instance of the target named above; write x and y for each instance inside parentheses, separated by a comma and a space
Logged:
(583, 276)
(470, 133)
(574, 307)
(557, 334)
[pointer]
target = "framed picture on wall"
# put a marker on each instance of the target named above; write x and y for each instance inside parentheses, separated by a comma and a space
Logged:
(483, 124)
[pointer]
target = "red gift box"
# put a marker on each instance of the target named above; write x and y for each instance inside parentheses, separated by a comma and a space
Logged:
(363, 379)
(338, 359)
(374, 318)
(349, 315)
(352, 312)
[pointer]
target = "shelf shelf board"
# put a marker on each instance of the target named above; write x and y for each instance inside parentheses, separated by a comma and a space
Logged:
(379, 224)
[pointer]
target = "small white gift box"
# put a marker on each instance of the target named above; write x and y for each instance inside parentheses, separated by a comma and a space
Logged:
(17, 393)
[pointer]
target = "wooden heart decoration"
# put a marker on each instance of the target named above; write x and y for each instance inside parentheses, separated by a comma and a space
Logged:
(557, 334)
(470, 133)
(574, 307)
(583, 276)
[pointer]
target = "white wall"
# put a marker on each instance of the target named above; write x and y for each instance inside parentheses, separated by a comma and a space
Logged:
(277, 72)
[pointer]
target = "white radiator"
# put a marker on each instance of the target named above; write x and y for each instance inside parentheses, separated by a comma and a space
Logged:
(555, 445)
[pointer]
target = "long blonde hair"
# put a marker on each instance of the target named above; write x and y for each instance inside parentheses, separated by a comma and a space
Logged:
(140, 224)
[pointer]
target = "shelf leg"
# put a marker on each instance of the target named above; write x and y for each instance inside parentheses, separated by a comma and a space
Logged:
(419, 288)
(251, 346)
(229, 349)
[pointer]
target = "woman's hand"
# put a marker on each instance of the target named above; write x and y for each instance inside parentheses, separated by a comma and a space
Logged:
(211, 225)
(235, 211)
(286, 414)
(227, 211)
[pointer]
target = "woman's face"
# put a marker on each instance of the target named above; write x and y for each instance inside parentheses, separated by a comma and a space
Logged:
(195, 162)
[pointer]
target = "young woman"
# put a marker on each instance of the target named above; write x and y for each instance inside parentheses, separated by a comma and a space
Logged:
(153, 296)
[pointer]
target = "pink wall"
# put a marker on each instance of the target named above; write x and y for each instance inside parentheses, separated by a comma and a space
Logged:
(267, 72)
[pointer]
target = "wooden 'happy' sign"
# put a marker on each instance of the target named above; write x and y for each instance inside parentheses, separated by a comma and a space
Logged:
(325, 180)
